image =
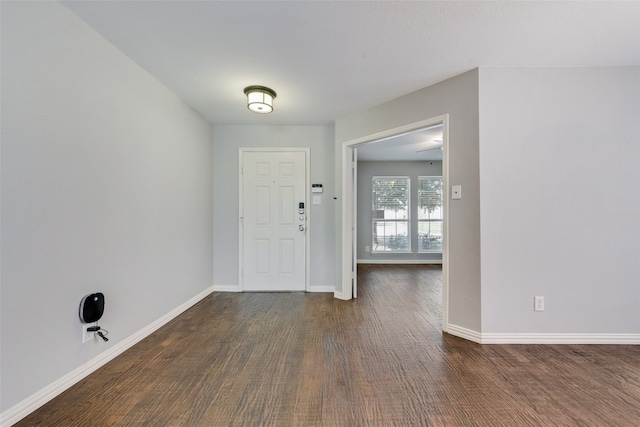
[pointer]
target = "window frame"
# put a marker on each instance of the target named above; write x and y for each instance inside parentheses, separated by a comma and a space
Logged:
(430, 220)
(375, 220)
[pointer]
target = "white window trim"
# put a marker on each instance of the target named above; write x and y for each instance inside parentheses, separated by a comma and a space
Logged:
(441, 220)
(409, 249)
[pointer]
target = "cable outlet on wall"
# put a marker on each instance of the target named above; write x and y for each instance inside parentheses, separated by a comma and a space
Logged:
(538, 303)
(87, 335)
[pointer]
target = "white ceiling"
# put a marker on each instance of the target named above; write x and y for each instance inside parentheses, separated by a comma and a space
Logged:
(423, 144)
(330, 59)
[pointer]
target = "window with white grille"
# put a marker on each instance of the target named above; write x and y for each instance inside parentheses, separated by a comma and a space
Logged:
(430, 214)
(391, 206)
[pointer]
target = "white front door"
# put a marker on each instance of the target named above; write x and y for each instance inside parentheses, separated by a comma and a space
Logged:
(273, 214)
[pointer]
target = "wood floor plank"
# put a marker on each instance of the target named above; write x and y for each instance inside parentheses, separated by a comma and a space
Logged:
(296, 359)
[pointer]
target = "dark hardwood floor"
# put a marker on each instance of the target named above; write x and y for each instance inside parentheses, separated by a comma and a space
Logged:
(295, 359)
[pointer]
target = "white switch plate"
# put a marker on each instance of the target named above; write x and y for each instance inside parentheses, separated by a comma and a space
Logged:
(316, 200)
(456, 192)
(538, 303)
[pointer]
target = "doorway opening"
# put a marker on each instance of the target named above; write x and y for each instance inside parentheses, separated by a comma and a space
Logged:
(409, 136)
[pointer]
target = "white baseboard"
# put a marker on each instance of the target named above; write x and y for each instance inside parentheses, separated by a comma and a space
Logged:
(465, 333)
(236, 288)
(540, 338)
(339, 295)
(534, 338)
(226, 288)
(36, 400)
(331, 289)
(399, 261)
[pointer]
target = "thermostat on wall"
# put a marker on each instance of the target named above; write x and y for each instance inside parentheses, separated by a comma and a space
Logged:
(316, 188)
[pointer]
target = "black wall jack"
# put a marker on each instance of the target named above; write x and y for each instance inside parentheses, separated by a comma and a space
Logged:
(98, 330)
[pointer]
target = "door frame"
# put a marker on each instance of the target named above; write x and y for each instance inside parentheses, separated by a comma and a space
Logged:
(349, 194)
(307, 167)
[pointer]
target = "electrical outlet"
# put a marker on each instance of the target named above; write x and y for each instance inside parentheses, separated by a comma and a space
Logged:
(366, 248)
(87, 335)
(538, 303)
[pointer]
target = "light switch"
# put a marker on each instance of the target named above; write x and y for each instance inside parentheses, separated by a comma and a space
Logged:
(316, 200)
(456, 192)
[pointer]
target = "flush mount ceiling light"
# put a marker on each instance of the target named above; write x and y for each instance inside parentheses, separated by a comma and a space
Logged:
(260, 99)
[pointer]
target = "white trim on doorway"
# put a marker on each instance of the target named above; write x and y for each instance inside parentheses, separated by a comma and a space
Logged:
(348, 192)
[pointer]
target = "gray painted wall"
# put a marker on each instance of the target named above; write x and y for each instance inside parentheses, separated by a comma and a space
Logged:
(369, 169)
(106, 186)
(554, 224)
(457, 97)
(227, 140)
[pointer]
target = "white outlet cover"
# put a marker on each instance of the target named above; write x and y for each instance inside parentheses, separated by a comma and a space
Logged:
(86, 335)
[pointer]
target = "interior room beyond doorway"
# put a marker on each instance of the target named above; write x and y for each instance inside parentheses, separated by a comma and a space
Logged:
(400, 199)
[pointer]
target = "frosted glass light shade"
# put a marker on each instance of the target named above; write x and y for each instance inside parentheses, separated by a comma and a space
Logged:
(259, 99)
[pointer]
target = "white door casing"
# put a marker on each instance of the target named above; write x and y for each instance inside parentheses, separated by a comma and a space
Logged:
(354, 225)
(349, 194)
(273, 226)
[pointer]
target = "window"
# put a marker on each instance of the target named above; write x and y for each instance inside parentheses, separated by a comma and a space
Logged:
(429, 214)
(390, 195)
